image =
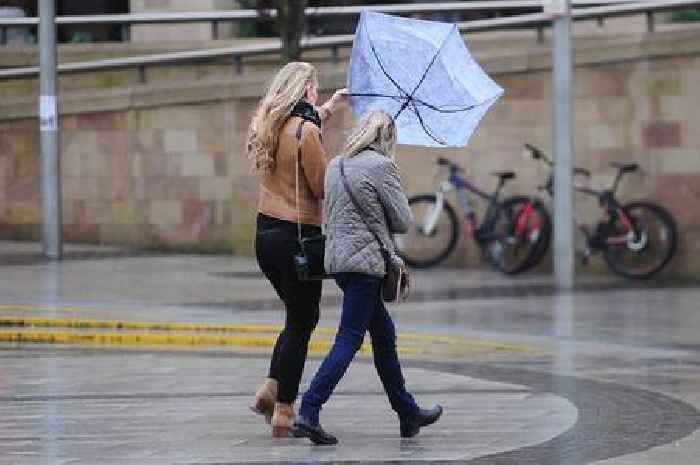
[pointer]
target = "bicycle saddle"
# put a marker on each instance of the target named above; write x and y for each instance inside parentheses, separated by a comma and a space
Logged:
(445, 162)
(504, 175)
(625, 167)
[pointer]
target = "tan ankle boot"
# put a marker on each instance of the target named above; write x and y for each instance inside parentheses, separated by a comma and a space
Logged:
(282, 420)
(265, 399)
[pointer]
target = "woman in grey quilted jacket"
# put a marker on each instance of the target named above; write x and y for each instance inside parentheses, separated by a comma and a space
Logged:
(354, 258)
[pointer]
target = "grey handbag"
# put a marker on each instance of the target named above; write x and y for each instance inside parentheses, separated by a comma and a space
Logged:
(396, 284)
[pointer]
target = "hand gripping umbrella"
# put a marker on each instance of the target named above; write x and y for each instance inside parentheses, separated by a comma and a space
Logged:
(421, 73)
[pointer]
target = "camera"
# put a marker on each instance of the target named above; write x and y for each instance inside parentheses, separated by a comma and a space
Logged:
(301, 264)
(309, 260)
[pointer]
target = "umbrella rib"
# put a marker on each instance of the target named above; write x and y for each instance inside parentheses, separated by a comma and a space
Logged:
(443, 109)
(430, 65)
(428, 131)
(422, 79)
(381, 66)
(406, 97)
(409, 100)
(376, 95)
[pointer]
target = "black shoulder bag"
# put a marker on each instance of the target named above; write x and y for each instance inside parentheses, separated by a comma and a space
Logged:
(308, 262)
(396, 283)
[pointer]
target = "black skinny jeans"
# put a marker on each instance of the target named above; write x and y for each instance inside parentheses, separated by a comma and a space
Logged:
(275, 246)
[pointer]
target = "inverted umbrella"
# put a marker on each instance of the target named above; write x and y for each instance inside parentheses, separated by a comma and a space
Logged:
(422, 73)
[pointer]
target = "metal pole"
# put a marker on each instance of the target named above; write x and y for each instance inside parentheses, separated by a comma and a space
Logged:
(563, 147)
(650, 22)
(126, 32)
(52, 237)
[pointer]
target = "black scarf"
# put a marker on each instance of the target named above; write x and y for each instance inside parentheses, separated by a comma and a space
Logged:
(305, 110)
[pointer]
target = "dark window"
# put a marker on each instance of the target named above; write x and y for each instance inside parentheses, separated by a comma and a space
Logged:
(92, 32)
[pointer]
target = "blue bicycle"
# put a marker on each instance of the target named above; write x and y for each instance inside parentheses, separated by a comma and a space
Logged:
(510, 233)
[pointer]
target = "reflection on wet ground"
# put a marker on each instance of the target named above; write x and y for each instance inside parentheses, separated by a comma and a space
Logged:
(615, 379)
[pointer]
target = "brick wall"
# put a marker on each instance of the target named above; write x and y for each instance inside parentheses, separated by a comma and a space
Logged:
(174, 175)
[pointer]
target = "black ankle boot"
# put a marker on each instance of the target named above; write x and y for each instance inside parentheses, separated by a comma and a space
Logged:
(304, 428)
(411, 425)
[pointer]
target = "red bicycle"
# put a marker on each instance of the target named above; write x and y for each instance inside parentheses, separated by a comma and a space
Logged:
(637, 239)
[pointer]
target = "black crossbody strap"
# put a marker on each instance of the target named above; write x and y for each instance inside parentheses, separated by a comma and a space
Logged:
(358, 206)
(298, 162)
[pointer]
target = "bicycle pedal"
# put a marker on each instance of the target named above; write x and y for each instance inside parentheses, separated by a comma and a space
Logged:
(534, 235)
(584, 256)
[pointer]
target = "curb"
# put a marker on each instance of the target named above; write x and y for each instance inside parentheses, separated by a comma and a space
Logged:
(110, 333)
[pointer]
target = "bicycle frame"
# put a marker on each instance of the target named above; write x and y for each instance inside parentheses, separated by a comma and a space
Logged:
(606, 198)
(456, 182)
(524, 219)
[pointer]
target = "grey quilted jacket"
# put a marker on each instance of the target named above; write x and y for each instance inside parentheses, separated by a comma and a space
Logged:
(350, 246)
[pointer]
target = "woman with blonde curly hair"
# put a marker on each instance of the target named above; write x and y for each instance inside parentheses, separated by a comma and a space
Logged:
(285, 121)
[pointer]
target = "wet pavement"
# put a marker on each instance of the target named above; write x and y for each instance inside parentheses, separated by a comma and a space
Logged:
(608, 374)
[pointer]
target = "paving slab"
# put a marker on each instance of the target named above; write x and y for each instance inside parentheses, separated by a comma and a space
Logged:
(614, 377)
(81, 406)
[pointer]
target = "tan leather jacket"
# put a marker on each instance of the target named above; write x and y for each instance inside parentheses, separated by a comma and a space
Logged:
(277, 189)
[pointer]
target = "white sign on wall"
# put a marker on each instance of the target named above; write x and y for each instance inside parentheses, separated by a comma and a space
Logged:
(48, 113)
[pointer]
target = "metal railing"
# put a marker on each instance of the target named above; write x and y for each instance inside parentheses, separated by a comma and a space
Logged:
(238, 15)
(217, 17)
(612, 8)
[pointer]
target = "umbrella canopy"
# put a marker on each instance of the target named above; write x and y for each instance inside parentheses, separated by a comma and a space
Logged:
(422, 73)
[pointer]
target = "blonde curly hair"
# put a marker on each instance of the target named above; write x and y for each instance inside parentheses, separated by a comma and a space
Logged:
(288, 87)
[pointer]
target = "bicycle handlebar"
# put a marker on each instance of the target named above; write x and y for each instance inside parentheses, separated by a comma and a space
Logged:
(537, 154)
(622, 168)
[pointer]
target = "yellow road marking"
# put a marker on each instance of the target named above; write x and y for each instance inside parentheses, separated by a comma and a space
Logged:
(178, 340)
(455, 342)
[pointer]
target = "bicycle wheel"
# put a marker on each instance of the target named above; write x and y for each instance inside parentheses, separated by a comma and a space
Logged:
(518, 236)
(422, 249)
(542, 238)
(648, 247)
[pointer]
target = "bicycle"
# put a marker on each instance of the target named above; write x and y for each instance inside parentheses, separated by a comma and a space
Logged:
(506, 237)
(637, 239)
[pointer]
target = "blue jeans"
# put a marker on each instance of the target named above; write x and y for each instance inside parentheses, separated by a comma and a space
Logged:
(363, 310)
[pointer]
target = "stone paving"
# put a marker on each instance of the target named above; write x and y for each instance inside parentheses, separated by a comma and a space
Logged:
(175, 408)
(613, 377)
